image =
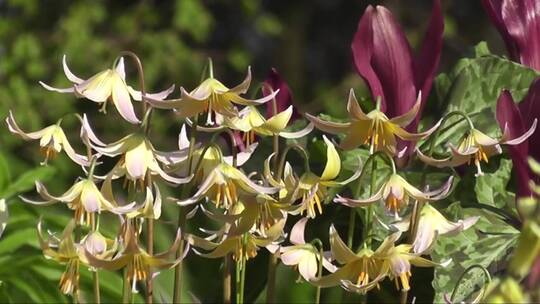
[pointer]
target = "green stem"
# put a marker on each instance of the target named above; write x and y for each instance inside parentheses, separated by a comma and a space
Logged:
(97, 297)
(301, 151)
(243, 280)
(369, 214)
(227, 279)
(352, 223)
(177, 293)
(126, 291)
(150, 250)
(319, 269)
(487, 279)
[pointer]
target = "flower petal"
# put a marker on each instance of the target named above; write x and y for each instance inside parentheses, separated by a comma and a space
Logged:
(333, 162)
(122, 100)
(68, 72)
(14, 128)
(328, 126)
(297, 232)
(340, 251)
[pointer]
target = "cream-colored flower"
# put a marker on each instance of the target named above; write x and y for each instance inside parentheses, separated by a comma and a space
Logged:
(396, 193)
(431, 225)
(374, 129)
(477, 147)
(108, 85)
(52, 140)
(83, 198)
(211, 97)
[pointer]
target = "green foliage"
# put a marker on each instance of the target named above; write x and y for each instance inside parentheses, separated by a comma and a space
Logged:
(490, 189)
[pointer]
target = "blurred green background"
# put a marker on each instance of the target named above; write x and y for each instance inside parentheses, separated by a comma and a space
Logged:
(307, 41)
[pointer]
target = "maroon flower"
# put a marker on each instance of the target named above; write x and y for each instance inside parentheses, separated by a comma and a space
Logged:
(275, 82)
(518, 21)
(383, 57)
(516, 118)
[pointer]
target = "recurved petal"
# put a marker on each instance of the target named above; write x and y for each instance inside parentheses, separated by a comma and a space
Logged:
(452, 161)
(340, 251)
(298, 134)
(14, 128)
(243, 87)
(354, 109)
(68, 72)
(159, 96)
(249, 102)
(360, 202)
(77, 158)
(114, 264)
(333, 161)
(522, 138)
(328, 126)
(122, 100)
(59, 90)
(405, 119)
(277, 123)
(297, 232)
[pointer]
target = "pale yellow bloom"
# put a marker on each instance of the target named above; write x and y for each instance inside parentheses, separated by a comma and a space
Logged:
(211, 97)
(374, 129)
(396, 193)
(107, 85)
(477, 147)
(52, 140)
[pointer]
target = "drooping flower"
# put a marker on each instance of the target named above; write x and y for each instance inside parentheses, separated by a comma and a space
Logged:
(108, 85)
(139, 264)
(396, 193)
(310, 189)
(251, 122)
(83, 198)
(64, 251)
(139, 157)
(383, 58)
(240, 241)
(477, 147)
(518, 22)
(52, 140)
(374, 129)
(303, 255)
(514, 118)
(223, 185)
(431, 225)
(211, 97)
(359, 269)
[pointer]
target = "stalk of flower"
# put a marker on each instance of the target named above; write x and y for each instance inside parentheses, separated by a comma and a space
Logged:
(374, 129)
(384, 59)
(211, 97)
(108, 85)
(476, 147)
(396, 194)
(138, 263)
(310, 188)
(304, 256)
(431, 225)
(52, 140)
(83, 198)
(150, 208)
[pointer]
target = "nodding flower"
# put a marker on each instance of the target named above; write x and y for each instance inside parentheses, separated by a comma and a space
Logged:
(108, 85)
(384, 59)
(83, 198)
(52, 140)
(431, 225)
(476, 147)
(139, 264)
(213, 98)
(374, 129)
(304, 255)
(311, 189)
(396, 193)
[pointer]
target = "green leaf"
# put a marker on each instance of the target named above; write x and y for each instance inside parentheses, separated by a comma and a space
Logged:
(26, 181)
(474, 87)
(491, 188)
(11, 242)
(486, 243)
(5, 176)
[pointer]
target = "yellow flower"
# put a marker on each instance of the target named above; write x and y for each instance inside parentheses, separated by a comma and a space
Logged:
(251, 123)
(360, 271)
(374, 129)
(477, 147)
(52, 140)
(139, 263)
(238, 242)
(431, 225)
(310, 188)
(139, 158)
(84, 198)
(105, 85)
(223, 185)
(63, 251)
(211, 97)
(396, 193)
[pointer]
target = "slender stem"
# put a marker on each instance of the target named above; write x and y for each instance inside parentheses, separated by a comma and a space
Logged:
(150, 250)
(301, 151)
(126, 291)
(352, 216)
(273, 260)
(237, 279)
(462, 276)
(95, 274)
(243, 279)
(403, 296)
(319, 269)
(211, 67)
(177, 294)
(227, 279)
(369, 215)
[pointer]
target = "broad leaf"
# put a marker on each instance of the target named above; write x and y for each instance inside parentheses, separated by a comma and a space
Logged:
(491, 188)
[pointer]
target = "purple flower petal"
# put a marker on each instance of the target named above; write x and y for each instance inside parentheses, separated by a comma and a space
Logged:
(275, 82)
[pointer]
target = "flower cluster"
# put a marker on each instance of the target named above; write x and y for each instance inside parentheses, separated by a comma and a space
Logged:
(210, 177)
